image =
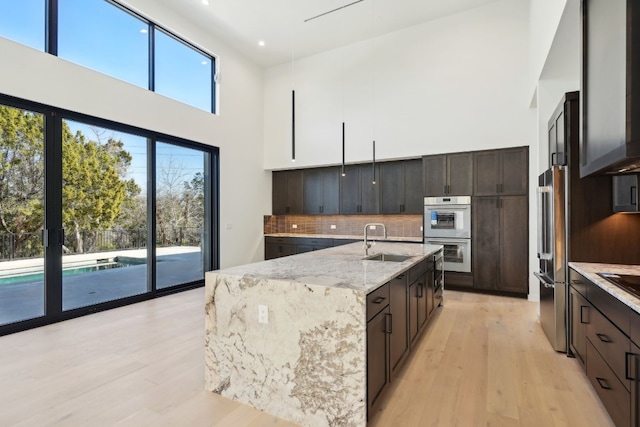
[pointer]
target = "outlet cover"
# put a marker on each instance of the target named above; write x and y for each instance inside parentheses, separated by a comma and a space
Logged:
(294, 225)
(263, 314)
(333, 227)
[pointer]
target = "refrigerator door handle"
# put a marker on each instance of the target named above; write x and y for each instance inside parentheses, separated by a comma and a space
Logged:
(545, 280)
(544, 216)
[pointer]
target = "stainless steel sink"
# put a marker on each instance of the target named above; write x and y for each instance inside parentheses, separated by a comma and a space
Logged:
(388, 257)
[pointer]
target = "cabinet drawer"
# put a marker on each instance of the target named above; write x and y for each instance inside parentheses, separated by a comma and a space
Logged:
(614, 396)
(634, 331)
(416, 272)
(612, 308)
(314, 241)
(285, 240)
(578, 281)
(377, 301)
(610, 342)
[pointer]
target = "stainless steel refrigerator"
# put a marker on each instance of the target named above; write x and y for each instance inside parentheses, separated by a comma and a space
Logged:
(552, 254)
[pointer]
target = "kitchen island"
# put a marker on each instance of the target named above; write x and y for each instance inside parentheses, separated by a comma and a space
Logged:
(288, 336)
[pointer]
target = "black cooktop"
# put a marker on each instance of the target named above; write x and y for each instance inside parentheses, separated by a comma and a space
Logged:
(628, 282)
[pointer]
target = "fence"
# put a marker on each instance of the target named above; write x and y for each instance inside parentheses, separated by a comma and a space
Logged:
(29, 245)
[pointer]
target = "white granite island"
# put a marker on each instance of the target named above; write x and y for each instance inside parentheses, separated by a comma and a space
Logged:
(308, 363)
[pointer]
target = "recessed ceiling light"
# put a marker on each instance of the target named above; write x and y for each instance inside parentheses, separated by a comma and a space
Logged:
(144, 31)
(205, 2)
(261, 43)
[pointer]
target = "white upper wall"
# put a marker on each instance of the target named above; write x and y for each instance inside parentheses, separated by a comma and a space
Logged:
(237, 131)
(454, 84)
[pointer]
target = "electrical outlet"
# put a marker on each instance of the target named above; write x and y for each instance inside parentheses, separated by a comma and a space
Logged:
(294, 225)
(421, 229)
(333, 227)
(228, 226)
(263, 314)
(372, 227)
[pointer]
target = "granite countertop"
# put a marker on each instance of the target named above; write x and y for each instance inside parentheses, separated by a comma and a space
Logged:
(346, 236)
(337, 267)
(590, 270)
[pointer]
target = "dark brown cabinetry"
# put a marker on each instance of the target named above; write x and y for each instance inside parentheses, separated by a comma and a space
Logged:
(579, 308)
(399, 347)
(401, 187)
(448, 175)
(287, 192)
(610, 86)
(276, 247)
(500, 244)
(321, 191)
(309, 244)
(378, 333)
(625, 193)
(501, 172)
(359, 195)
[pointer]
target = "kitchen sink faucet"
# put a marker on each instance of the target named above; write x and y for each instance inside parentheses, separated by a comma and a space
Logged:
(367, 245)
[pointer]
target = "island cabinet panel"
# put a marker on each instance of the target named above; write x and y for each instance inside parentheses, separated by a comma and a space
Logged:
(401, 187)
(358, 193)
(501, 172)
(321, 193)
(398, 290)
(448, 175)
(377, 358)
(287, 192)
(580, 310)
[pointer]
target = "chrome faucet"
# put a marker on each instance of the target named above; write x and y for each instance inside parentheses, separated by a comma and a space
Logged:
(367, 245)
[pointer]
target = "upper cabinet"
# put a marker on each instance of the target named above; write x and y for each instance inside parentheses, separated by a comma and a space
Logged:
(610, 87)
(625, 193)
(501, 172)
(448, 175)
(286, 194)
(359, 195)
(321, 193)
(401, 187)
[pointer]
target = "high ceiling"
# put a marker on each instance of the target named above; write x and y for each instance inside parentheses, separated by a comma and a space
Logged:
(281, 23)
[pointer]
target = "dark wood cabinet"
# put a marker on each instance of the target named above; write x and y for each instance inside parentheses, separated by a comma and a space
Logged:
(501, 172)
(448, 175)
(610, 86)
(579, 309)
(309, 244)
(378, 332)
(276, 247)
(399, 346)
(417, 307)
(359, 195)
(625, 193)
(287, 192)
(500, 244)
(401, 189)
(321, 191)
(634, 375)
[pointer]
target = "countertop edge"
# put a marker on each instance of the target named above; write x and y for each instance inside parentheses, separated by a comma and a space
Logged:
(588, 270)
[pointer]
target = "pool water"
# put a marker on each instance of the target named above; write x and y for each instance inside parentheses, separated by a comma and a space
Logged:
(33, 277)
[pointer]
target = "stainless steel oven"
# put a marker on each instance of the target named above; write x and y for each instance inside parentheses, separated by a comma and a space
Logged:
(447, 217)
(456, 254)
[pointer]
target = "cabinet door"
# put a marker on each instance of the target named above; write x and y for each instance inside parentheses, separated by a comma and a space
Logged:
(414, 298)
(294, 192)
(392, 187)
(369, 192)
(625, 193)
(486, 172)
(377, 358)
(634, 375)
(313, 192)
(400, 335)
(514, 244)
(422, 301)
(579, 309)
(486, 242)
(331, 191)
(515, 171)
(279, 193)
(350, 192)
(460, 174)
(413, 191)
(435, 175)
(429, 280)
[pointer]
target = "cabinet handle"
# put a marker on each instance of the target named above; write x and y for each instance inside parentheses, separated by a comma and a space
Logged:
(603, 338)
(603, 383)
(420, 291)
(378, 300)
(633, 193)
(631, 366)
(400, 277)
(389, 323)
(582, 316)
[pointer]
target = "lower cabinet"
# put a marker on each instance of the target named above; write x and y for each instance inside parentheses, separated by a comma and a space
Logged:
(579, 309)
(378, 333)
(276, 247)
(399, 310)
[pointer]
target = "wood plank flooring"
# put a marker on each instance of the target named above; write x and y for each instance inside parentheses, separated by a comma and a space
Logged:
(484, 361)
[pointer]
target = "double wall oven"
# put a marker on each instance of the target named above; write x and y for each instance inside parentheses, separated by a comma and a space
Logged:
(447, 222)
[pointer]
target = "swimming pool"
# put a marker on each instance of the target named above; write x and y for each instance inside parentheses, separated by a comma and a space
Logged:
(72, 271)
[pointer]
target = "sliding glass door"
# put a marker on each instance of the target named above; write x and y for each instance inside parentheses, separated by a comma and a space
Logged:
(22, 290)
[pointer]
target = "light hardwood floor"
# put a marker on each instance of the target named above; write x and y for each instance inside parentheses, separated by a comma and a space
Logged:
(484, 361)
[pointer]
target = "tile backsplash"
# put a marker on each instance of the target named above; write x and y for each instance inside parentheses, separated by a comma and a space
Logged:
(396, 225)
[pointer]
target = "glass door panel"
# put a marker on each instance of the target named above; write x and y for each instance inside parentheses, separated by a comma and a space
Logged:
(21, 215)
(180, 215)
(104, 215)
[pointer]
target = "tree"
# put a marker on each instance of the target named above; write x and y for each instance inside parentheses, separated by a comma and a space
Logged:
(22, 179)
(94, 189)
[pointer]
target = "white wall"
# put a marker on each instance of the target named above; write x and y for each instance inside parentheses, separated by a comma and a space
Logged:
(244, 186)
